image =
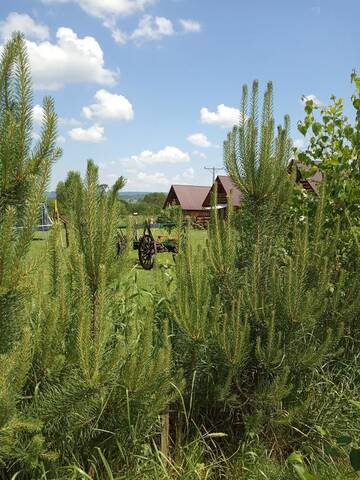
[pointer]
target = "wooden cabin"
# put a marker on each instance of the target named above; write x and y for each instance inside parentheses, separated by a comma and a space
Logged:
(190, 198)
(310, 183)
(195, 201)
(225, 190)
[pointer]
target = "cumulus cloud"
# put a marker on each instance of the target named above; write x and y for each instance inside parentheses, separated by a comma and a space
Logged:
(306, 98)
(108, 8)
(199, 154)
(152, 28)
(153, 178)
(298, 143)
(35, 136)
(149, 27)
(184, 177)
(199, 139)
(118, 35)
(109, 106)
(190, 25)
(68, 122)
(37, 113)
(70, 60)
(169, 154)
(224, 116)
(144, 181)
(21, 22)
(93, 134)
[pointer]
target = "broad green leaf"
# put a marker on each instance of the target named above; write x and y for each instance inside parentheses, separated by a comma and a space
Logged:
(355, 458)
(303, 158)
(303, 474)
(343, 440)
(316, 128)
(309, 106)
(331, 451)
(295, 457)
(302, 128)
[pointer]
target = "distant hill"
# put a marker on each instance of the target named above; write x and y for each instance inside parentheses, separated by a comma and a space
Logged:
(133, 196)
(128, 196)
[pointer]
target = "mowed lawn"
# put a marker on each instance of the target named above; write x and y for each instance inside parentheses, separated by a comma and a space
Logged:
(144, 278)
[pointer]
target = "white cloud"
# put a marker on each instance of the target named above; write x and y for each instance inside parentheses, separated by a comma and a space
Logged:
(145, 181)
(224, 116)
(68, 122)
(153, 178)
(312, 97)
(199, 154)
(35, 136)
(109, 106)
(130, 170)
(184, 177)
(37, 113)
(298, 143)
(152, 28)
(93, 134)
(190, 25)
(169, 155)
(70, 60)
(108, 8)
(189, 173)
(119, 36)
(199, 139)
(21, 22)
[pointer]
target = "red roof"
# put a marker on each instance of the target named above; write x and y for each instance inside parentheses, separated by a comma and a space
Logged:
(225, 183)
(310, 183)
(189, 197)
(315, 179)
(231, 189)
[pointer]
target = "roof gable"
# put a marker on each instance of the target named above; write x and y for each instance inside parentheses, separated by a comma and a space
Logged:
(309, 183)
(226, 188)
(189, 197)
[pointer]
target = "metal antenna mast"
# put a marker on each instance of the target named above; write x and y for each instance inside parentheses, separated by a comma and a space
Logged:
(214, 170)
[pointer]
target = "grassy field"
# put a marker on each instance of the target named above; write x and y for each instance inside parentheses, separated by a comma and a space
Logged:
(144, 278)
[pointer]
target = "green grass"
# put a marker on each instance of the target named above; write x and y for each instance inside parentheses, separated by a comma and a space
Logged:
(145, 279)
(197, 460)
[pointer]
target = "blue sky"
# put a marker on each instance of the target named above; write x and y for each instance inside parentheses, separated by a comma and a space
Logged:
(149, 88)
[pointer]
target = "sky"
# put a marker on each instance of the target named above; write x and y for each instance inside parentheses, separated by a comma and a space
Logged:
(149, 88)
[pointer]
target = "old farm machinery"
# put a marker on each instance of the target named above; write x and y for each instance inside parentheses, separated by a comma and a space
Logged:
(146, 244)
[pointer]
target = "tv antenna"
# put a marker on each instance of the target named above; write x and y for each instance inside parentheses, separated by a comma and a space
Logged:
(214, 170)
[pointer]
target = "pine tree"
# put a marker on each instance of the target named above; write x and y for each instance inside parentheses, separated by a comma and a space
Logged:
(103, 364)
(83, 363)
(256, 160)
(24, 174)
(271, 303)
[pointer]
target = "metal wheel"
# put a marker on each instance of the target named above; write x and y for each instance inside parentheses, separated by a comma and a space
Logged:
(146, 252)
